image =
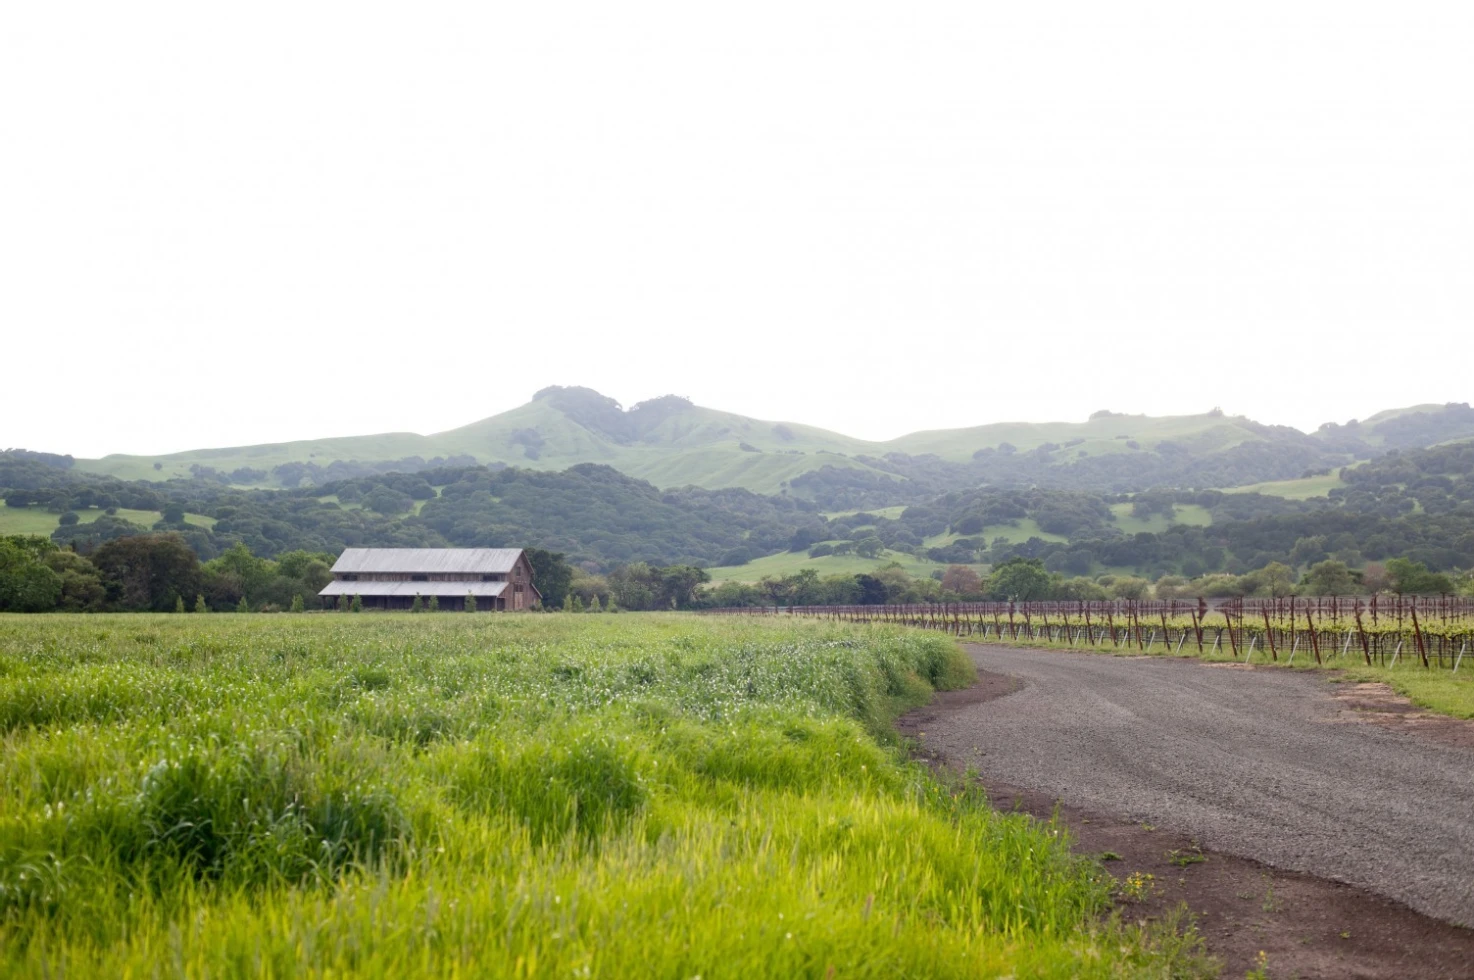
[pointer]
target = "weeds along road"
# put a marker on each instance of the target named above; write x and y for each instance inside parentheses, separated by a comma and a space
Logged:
(1264, 764)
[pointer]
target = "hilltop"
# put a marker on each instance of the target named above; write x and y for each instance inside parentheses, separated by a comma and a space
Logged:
(672, 442)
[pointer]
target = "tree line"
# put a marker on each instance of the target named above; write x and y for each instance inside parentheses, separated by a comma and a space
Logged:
(1416, 504)
(159, 572)
(1028, 580)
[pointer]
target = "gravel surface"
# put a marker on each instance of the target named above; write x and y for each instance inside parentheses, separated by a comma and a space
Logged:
(1264, 764)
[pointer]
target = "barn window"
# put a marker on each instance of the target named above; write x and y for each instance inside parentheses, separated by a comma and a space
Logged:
(350, 578)
(419, 578)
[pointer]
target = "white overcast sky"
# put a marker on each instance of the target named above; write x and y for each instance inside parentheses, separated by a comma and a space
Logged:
(234, 223)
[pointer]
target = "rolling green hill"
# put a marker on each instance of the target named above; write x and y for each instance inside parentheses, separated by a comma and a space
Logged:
(673, 443)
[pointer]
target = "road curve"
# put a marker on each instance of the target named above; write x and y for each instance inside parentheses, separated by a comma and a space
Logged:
(1263, 764)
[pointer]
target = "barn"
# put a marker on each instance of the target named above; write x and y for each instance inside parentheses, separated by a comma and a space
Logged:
(390, 578)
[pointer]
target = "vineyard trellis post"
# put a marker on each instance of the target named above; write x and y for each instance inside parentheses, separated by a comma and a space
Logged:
(1418, 634)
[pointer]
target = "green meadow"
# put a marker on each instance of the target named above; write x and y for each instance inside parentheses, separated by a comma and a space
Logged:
(1191, 514)
(1303, 488)
(792, 562)
(35, 520)
(637, 795)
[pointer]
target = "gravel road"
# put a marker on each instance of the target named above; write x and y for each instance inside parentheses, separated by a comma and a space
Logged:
(1263, 764)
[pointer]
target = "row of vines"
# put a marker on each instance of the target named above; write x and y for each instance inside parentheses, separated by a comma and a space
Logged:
(1435, 630)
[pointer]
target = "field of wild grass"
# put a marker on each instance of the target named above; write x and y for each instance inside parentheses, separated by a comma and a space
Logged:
(512, 796)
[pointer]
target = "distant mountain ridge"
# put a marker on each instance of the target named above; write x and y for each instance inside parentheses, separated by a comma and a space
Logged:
(672, 442)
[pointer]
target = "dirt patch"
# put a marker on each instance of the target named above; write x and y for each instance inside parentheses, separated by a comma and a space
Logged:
(1306, 926)
(1379, 704)
(989, 686)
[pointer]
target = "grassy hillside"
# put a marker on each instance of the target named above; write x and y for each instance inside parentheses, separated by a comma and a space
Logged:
(673, 443)
(889, 512)
(1301, 489)
(33, 520)
(1099, 436)
(1190, 514)
(789, 563)
(688, 446)
(389, 445)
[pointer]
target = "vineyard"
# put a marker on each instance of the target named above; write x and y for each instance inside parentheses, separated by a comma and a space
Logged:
(1436, 631)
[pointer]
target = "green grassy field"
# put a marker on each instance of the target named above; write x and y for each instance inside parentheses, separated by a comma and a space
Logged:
(518, 796)
(789, 563)
(415, 506)
(1301, 489)
(1015, 533)
(1191, 514)
(33, 520)
(889, 512)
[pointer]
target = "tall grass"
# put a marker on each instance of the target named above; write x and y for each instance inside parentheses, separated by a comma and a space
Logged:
(507, 796)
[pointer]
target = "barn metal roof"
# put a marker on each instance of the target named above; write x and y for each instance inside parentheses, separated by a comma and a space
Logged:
(427, 560)
(412, 589)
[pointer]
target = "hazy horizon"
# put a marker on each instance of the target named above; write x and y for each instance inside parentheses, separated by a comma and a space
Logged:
(224, 229)
(310, 437)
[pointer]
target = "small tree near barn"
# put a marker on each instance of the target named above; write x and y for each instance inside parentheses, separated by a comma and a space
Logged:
(470, 602)
(418, 605)
(357, 603)
(434, 604)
